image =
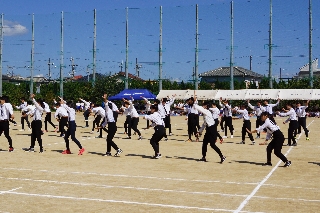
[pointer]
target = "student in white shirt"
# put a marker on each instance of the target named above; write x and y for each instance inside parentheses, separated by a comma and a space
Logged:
(277, 139)
(258, 110)
(62, 116)
(134, 119)
(246, 124)
(72, 126)
(148, 109)
(167, 105)
(47, 119)
(159, 129)
(23, 109)
(86, 113)
(36, 124)
(268, 108)
(4, 121)
(112, 129)
(210, 135)
(227, 113)
(215, 114)
(293, 125)
(302, 118)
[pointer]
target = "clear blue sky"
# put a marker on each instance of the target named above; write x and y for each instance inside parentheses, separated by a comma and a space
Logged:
(251, 25)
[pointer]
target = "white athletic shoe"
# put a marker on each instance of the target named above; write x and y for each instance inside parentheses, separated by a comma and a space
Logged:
(253, 142)
(231, 136)
(224, 136)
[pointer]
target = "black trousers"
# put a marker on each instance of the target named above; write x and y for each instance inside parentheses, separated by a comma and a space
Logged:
(148, 122)
(71, 131)
(222, 122)
(96, 121)
(158, 134)
(24, 118)
(134, 126)
(112, 129)
(276, 145)
(47, 120)
(192, 124)
(167, 123)
(36, 133)
(4, 128)
(126, 123)
(293, 125)
(197, 121)
(210, 137)
(302, 122)
(11, 120)
(246, 125)
(63, 123)
(115, 115)
(258, 123)
(228, 123)
(86, 116)
(216, 123)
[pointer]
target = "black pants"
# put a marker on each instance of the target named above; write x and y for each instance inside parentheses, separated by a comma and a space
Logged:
(126, 123)
(148, 113)
(48, 119)
(192, 124)
(24, 118)
(228, 123)
(112, 129)
(293, 125)
(258, 123)
(63, 123)
(167, 123)
(246, 125)
(216, 123)
(276, 145)
(71, 131)
(197, 121)
(11, 120)
(86, 117)
(209, 137)
(36, 133)
(222, 122)
(4, 128)
(302, 122)
(115, 115)
(96, 121)
(158, 134)
(134, 126)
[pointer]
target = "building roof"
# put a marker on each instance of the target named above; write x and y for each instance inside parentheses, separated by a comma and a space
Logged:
(225, 71)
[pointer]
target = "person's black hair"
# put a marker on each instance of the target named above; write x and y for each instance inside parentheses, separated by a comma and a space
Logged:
(6, 98)
(96, 105)
(207, 104)
(155, 107)
(29, 102)
(40, 102)
(58, 104)
(298, 102)
(164, 99)
(157, 101)
(22, 98)
(264, 114)
(69, 104)
(289, 104)
(214, 104)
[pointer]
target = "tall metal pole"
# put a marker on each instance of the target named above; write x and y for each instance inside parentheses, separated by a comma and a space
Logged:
(49, 64)
(1, 42)
(196, 52)
(61, 57)
(160, 52)
(231, 51)
(32, 56)
(270, 47)
(94, 46)
(250, 62)
(310, 45)
(127, 50)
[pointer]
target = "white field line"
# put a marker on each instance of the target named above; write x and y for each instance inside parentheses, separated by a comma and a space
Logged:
(116, 201)
(255, 190)
(146, 189)
(120, 187)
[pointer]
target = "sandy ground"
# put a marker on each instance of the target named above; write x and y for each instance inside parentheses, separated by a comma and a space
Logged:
(133, 182)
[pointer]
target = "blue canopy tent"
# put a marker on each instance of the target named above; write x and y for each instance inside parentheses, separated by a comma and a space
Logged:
(135, 93)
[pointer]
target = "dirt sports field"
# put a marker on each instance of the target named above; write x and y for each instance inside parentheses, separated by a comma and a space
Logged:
(133, 182)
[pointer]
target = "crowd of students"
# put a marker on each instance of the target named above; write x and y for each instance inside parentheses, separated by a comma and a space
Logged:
(157, 115)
